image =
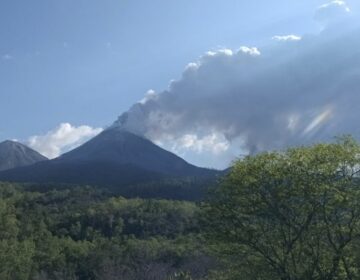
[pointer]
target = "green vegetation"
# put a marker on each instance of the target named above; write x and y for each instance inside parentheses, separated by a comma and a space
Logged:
(187, 188)
(292, 215)
(86, 234)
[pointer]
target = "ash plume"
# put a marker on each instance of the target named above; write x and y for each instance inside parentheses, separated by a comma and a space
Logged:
(231, 102)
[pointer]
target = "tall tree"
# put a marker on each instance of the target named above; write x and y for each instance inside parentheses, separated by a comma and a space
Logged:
(290, 215)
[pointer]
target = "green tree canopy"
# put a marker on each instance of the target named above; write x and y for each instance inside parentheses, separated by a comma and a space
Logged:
(290, 215)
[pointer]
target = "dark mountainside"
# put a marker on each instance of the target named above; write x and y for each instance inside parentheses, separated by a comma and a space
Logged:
(125, 148)
(114, 159)
(14, 154)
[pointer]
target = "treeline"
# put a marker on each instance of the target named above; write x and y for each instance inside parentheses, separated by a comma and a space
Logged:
(83, 233)
(288, 215)
(189, 189)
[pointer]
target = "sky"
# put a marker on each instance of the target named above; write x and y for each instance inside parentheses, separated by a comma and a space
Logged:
(69, 68)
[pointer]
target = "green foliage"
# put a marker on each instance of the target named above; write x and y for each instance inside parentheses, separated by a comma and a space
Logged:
(16, 259)
(82, 233)
(190, 189)
(290, 215)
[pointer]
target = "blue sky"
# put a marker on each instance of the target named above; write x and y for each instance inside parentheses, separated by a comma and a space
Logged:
(85, 62)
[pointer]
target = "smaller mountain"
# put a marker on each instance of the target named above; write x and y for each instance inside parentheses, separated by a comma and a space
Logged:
(14, 154)
(115, 158)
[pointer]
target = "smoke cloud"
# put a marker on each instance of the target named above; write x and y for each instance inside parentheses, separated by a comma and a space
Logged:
(233, 102)
(62, 139)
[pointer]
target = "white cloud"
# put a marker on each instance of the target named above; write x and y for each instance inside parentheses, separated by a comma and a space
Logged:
(62, 139)
(245, 101)
(211, 150)
(213, 143)
(336, 3)
(194, 65)
(222, 51)
(250, 51)
(150, 94)
(332, 12)
(284, 38)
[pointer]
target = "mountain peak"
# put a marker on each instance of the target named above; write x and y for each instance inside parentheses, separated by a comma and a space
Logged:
(15, 154)
(131, 121)
(10, 142)
(124, 147)
(115, 157)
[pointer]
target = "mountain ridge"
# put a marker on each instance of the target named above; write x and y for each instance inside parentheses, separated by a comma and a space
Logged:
(15, 154)
(115, 157)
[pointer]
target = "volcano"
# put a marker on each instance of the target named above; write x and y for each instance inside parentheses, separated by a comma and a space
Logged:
(115, 157)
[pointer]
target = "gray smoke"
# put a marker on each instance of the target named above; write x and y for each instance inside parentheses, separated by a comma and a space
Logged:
(244, 101)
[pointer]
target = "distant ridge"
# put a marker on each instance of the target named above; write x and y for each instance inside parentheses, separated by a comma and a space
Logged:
(115, 157)
(14, 154)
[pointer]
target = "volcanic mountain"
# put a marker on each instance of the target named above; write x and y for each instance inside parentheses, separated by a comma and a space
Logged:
(14, 154)
(113, 158)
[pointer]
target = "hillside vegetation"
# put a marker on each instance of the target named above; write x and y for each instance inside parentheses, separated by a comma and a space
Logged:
(289, 215)
(86, 234)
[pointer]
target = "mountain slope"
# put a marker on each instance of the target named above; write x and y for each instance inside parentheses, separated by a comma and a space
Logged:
(14, 154)
(122, 147)
(113, 158)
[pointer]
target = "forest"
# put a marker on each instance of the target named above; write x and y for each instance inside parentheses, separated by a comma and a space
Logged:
(288, 215)
(84, 233)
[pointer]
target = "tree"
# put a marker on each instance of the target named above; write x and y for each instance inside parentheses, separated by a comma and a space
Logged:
(289, 215)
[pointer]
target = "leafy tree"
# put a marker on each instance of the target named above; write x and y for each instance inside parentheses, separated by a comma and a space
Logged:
(84, 233)
(289, 215)
(16, 259)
